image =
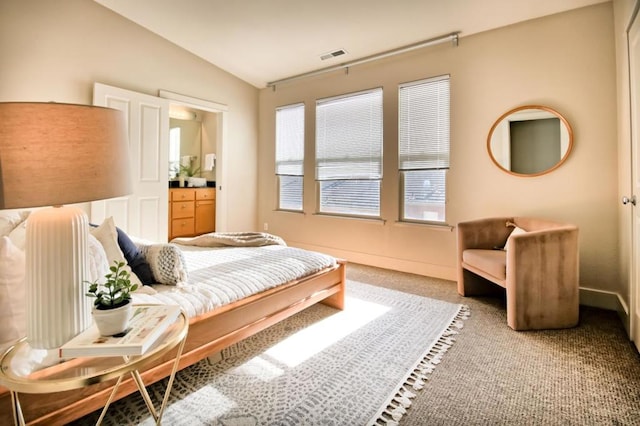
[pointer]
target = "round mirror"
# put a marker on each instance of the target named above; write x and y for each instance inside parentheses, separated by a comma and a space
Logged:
(530, 140)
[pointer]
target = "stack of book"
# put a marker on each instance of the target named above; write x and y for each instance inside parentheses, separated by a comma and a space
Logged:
(146, 325)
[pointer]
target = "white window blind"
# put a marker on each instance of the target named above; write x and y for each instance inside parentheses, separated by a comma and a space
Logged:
(423, 125)
(290, 156)
(349, 153)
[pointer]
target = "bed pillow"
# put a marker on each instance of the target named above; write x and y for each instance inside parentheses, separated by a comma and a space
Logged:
(98, 263)
(12, 293)
(167, 263)
(10, 219)
(107, 234)
(135, 258)
(19, 235)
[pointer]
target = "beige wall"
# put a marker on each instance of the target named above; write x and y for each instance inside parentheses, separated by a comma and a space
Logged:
(56, 50)
(536, 62)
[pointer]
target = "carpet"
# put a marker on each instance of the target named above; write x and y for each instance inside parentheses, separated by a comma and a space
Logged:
(360, 366)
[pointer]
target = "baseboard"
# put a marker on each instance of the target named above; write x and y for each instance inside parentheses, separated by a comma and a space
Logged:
(603, 299)
(395, 264)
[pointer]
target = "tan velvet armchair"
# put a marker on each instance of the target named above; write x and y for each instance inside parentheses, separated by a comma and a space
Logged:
(538, 269)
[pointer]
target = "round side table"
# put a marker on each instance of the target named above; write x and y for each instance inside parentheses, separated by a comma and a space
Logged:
(20, 372)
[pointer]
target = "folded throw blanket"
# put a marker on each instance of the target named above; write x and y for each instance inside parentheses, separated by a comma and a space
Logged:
(234, 239)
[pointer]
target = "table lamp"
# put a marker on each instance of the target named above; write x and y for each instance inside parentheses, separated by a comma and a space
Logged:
(53, 154)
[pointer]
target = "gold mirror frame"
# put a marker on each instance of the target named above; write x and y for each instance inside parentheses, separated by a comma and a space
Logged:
(538, 112)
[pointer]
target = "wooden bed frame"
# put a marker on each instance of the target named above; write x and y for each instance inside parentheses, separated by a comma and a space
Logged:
(208, 333)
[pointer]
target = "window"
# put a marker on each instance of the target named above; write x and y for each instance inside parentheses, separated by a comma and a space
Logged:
(290, 156)
(423, 124)
(349, 153)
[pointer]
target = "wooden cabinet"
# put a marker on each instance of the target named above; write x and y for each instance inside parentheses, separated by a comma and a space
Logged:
(192, 211)
(205, 213)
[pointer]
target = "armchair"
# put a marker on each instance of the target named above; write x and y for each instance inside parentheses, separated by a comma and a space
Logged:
(537, 268)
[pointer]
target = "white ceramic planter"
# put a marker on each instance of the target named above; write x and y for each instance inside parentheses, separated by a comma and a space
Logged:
(112, 321)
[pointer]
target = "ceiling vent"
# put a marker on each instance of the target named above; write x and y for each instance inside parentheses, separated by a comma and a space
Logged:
(333, 54)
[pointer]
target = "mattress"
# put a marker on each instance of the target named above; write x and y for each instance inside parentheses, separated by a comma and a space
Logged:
(222, 275)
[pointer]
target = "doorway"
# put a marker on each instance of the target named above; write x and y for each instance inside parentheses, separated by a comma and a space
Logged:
(214, 117)
(144, 213)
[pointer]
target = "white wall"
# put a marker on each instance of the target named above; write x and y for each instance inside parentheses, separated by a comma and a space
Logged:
(56, 50)
(565, 61)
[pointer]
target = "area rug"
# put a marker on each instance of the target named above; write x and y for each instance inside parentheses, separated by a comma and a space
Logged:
(360, 366)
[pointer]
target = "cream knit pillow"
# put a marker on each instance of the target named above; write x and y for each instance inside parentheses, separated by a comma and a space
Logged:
(167, 263)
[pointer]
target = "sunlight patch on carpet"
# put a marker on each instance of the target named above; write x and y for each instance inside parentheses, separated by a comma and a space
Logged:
(315, 338)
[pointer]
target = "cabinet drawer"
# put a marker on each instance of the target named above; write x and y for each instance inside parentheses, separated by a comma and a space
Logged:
(182, 227)
(182, 209)
(205, 194)
(182, 194)
(202, 203)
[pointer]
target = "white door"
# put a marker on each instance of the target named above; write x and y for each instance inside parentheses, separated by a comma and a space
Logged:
(221, 112)
(634, 84)
(144, 213)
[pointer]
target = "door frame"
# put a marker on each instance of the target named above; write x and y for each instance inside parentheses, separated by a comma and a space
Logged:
(634, 134)
(222, 112)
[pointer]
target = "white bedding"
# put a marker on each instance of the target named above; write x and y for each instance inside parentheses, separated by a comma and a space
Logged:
(221, 275)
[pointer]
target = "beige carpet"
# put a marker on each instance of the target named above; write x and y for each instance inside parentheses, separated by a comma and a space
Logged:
(588, 375)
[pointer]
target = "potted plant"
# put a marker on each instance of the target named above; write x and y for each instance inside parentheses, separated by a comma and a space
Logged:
(112, 305)
(189, 171)
(183, 173)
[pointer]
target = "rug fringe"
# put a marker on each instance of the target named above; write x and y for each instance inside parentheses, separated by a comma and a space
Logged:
(417, 378)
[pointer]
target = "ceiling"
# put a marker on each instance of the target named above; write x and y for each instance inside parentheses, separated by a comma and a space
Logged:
(261, 41)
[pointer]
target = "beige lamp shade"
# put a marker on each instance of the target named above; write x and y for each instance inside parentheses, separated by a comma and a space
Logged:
(53, 154)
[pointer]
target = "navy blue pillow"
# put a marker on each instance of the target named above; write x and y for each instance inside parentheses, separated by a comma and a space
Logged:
(135, 259)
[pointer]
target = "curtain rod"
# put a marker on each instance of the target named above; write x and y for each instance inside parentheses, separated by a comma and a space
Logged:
(453, 37)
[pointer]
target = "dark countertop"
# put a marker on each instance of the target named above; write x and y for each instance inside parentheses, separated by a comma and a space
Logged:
(176, 184)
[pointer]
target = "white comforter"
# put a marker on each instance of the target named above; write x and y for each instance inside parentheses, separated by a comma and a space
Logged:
(222, 275)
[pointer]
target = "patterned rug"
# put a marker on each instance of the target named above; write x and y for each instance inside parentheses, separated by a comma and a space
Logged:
(320, 367)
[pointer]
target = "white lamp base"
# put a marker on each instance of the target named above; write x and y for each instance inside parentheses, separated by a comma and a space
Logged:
(56, 259)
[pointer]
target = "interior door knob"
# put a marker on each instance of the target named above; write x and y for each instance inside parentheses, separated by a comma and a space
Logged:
(626, 200)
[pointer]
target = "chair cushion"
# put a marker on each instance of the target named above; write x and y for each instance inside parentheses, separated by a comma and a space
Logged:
(493, 262)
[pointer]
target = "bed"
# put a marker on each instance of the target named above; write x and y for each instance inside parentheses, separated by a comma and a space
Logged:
(229, 292)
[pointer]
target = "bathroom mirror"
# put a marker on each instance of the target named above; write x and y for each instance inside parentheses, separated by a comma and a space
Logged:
(185, 146)
(530, 140)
